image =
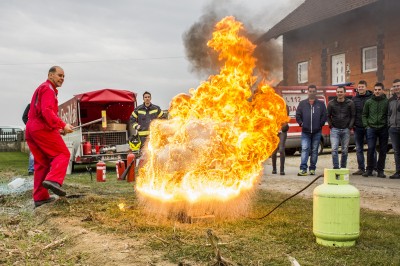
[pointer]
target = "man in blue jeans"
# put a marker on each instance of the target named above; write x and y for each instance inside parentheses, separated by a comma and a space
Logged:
(359, 130)
(311, 117)
(375, 119)
(31, 159)
(341, 115)
(394, 125)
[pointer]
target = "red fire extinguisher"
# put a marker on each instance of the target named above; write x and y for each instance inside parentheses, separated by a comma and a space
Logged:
(131, 161)
(101, 171)
(87, 148)
(120, 168)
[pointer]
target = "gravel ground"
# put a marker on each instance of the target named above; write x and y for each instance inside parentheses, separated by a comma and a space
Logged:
(375, 193)
(27, 185)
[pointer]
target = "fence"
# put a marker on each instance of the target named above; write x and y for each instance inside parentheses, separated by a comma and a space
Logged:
(10, 141)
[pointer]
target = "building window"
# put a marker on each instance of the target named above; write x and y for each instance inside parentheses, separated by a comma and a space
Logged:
(370, 59)
(302, 72)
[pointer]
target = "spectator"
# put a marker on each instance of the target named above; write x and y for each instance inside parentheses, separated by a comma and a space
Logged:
(281, 148)
(341, 115)
(375, 120)
(43, 136)
(394, 125)
(359, 130)
(31, 168)
(311, 116)
(143, 115)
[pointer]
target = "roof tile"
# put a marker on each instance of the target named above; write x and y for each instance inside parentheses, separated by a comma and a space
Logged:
(312, 11)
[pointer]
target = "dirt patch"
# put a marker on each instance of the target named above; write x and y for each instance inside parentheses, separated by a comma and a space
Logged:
(380, 194)
(102, 248)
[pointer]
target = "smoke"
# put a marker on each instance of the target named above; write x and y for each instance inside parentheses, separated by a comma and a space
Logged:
(204, 61)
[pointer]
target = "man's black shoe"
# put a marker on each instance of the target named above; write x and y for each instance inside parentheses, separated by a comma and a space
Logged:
(55, 187)
(359, 172)
(395, 176)
(41, 202)
(381, 175)
(368, 173)
(273, 172)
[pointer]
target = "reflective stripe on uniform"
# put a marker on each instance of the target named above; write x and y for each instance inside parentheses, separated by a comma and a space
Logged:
(161, 113)
(134, 125)
(144, 133)
(141, 112)
(153, 111)
(134, 115)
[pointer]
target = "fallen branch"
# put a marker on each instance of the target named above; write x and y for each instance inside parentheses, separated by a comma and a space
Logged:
(54, 243)
(293, 261)
(162, 240)
(221, 261)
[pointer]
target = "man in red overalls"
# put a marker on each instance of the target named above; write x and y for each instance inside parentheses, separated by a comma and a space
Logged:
(43, 137)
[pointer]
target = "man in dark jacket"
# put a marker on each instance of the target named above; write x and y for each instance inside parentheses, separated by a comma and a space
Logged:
(341, 114)
(143, 115)
(359, 130)
(374, 119)
(311, 117)
(394, 125)
(31, 169)
(281, 148)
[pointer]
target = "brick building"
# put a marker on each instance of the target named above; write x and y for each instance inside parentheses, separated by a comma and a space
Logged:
(336, 41)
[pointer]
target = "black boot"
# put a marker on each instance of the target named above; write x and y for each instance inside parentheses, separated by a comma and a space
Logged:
(395, 175)
(368, 173)
(381, 174)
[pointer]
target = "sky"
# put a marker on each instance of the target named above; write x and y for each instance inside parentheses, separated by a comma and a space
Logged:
(122, 44)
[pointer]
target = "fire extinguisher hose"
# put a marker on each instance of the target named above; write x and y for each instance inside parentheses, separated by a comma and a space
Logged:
(295, 194)
(127, 170)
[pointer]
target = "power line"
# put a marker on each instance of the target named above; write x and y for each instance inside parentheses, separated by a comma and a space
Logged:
(94, 61)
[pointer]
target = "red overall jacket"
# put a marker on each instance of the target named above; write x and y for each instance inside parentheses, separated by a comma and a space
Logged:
(44, 109)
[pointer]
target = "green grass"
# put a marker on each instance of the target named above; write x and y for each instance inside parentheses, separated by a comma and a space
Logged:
(287, 231)
(13, 163)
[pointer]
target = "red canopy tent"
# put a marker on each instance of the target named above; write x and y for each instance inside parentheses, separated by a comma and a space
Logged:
(119, 104)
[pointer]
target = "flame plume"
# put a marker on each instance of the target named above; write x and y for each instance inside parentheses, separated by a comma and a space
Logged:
(208, 156)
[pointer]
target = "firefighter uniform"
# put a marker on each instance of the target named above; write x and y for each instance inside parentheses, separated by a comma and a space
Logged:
(143, 115)
(44, 140)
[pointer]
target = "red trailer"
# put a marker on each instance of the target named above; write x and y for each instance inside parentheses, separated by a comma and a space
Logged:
(90, 142)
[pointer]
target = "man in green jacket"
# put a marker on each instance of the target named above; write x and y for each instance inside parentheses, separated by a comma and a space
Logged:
(374, 119)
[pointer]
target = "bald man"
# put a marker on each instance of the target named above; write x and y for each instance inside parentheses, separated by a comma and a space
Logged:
(43, 135)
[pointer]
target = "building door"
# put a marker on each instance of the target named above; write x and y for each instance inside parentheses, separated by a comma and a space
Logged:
(338, 69)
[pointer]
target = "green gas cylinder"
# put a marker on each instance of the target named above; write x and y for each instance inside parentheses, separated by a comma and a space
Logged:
(336, 210)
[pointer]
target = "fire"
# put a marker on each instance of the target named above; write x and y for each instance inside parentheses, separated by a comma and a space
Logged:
(210, 153)
(121, 206)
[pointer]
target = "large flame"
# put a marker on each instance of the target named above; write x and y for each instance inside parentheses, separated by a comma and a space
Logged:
(212, 148)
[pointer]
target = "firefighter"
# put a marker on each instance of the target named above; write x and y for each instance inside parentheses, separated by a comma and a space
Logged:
(44, 140)
(143, 115)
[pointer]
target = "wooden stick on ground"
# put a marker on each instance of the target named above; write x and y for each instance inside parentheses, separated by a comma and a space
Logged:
(55, 243)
